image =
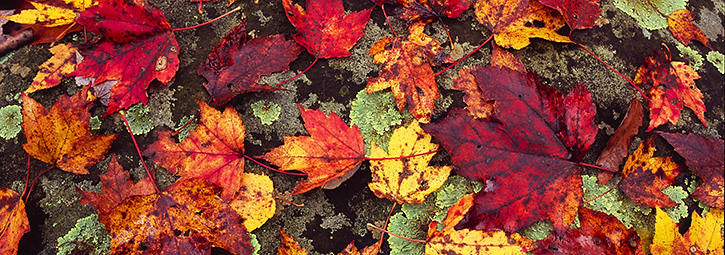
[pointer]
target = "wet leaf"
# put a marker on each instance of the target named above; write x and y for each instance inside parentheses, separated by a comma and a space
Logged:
(13, 221)
(703, 237)
(61, 136)
(579, 14)
(255, 201)
(406, 180)
(680, 24)
(289, 246)
(618, 145)
(646, 176)
(55, 68)
(514, 22)
(476, 105)
(332, 150)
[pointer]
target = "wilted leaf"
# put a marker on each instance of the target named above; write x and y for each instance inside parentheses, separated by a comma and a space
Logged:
(618, 145)
(13, 221)
(514, 22)
(703, 237)
(52, 71)
(680, 23)
(61, 136)
(646, 176)
(186, 218)
(254, 202)
(324, 29)
(289, 246)
(579, 14)
(213, 151)
(705, 157)
(406, 180)
(331, 150)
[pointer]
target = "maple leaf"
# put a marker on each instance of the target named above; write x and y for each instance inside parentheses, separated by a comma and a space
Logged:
(680, 24)
(373, 249)
(645, 176)
(579, 14)
(704, 156)
(673, 86)
(514, 22)
(53, 70)
(516, 152)
(235, 65)
(289, 246)
(618, 145)
(187, 217)
(323, 29)
(116, 186)
(13, 221)
(502, 58)
(255, 201)
(579, 112)
(476, 106)
(599, 233)
(425, 11)
(406, 180)
(137, 47)
(61, 136)
(332, 150)
(52, 13)
(464, 241)
(213, 151)
(703, 237)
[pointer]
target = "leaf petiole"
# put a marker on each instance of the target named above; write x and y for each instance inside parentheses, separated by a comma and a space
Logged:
(395, 235)
(464, 57)
(303, 71)
(271, 168)
(208, 22)
(406, 156)
(34, 181)
(151, 177)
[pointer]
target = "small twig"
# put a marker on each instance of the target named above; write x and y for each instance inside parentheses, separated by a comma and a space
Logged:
(386, 19)
(208, 22)
(16, 40)
(446, 28)
(395, 235)
(303, 71)
(407, 156)
(271, 168)
(57, 38)
(464, 57)
(128, 127)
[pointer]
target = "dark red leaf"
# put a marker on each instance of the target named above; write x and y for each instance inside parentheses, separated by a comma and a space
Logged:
(428, 10)
(579, 14)
(579, 111)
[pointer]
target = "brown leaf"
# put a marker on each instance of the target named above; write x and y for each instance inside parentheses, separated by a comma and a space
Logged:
(618, 145)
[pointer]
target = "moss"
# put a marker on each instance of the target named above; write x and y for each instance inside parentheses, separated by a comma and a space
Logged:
(377, 116)
(648, 17)
(718, 60)
(335, 222)
(184, 132)
(360, 63)
(10, 119)
(613, 203)
(94, 123)
(694, 59)
(266, 111)
(138, 119)
(538, 231)
(88, 235)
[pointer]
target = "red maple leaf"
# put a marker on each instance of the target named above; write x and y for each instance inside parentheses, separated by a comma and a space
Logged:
(579, 14)
(323, 29)
(428, 10)
(235, 65)
(138, 46)
(516, 152)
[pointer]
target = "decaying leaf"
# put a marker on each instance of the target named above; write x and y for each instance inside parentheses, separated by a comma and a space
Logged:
(61, 136)
(514, 22)
(680, 24)
(466, 241)
(502, 58)
(13, 221)
(618, 145)
(373, 249)
(476, 105)
(646, 176)
(705, 157)
(324, 29)
(289, 246)
(55, 68)
(579, 14)
(214, 151)
(255, 202)
(703, 237)
(406, 180)
(116, 185)
(235, 65)
(332, 150)
(187, 217)
(425, 11)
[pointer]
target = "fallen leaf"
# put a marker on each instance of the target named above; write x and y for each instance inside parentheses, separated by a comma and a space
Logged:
(61, 136)
(213, 151)
(324, 29)
(188, 218)
(406, 180)
(705, 157)
(116, 185)
(255, 201)
(13, 221)
(579, 113)
(331, 150)
(618, 145)
(703, 237)
(476, 106)
(235, 65)
(137, 47)
(464, 241)
(514, 22)
(502, 58)
(680, 24)
(646, 176)
(673, 86)
(289, 246)
(425, 11)
(54, 69)
(373, 249)
(52, 13)
(579, 14)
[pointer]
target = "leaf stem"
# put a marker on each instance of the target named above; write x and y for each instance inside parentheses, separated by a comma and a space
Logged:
(386, 19)
(292, 203)
(395, 235)
(407, 156)
(612, 68)
(303, 71)
(271, 168)
(464, 57)
(27, 179)
(36, 179)
(658, 10)
(128, 127)
(176, 132)
(597, 167)
(208, 22)
(601, 195)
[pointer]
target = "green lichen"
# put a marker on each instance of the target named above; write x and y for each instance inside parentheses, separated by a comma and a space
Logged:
(184, 132)
(10, 119)
(718, 60)
(335, 222)
(255, 243)
(614, 203)
(94, 123)
(413, 219)
(677, 194)
(537, 231)
(648, 17)
(138, 119)
(694, 59)
(266, 111)
(377, 116)
(88, 235)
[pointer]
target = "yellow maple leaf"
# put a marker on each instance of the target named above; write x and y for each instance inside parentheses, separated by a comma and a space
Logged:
(52, 15)
(406, 180)
(55, 68)
(254, 202)
(703, 237)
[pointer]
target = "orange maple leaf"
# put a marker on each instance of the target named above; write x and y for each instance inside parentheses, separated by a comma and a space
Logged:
(680, 24)
(61, 136)
(646, 176)
(514, 22)
(213, 151)
(289, 246)
(332, 150)
(52, 71)
(13, 221)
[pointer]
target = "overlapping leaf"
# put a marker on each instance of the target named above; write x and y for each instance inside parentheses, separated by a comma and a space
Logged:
(53, 70)
(514, 22)
(254, 202)
(13, 221)
(703, 237)
(52, 13)
(618, 145)
(579, 14)
(680, 24)
(646, 176)
(579, 111)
